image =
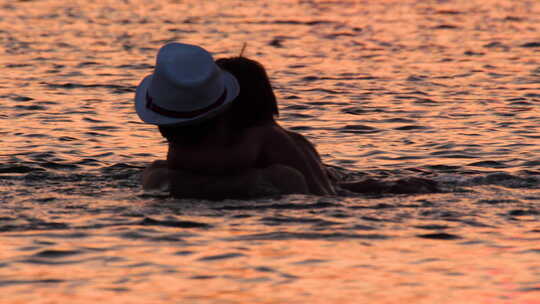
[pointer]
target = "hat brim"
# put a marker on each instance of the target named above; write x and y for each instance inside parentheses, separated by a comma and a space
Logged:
(151, 117)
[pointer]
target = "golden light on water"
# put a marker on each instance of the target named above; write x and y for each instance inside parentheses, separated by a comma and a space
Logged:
(387, 88)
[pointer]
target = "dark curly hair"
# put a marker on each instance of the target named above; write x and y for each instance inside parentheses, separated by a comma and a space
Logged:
(256, 104)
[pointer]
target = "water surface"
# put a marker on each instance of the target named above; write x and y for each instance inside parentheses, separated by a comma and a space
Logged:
(445, 90)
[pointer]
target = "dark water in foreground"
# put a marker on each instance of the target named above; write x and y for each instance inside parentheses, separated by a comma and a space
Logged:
(445, 90)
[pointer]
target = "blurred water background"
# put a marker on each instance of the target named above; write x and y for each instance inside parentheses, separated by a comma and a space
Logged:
(447, 90)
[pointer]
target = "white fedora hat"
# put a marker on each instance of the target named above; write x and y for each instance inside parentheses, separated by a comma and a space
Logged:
(186, 86)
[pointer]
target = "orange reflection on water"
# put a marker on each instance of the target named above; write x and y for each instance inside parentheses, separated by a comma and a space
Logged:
(275, 271)
(377, 85)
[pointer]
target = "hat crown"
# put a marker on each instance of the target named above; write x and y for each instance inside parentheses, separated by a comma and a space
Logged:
(186, 86)
(185, 65)
(185, 78)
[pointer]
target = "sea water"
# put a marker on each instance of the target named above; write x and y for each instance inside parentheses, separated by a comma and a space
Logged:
(446, 90)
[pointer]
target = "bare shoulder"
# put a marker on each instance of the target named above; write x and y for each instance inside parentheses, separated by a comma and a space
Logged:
(305, 144)
(298, 137)
(279, 146)
(271, 132)
(155, 176)
(263, 135)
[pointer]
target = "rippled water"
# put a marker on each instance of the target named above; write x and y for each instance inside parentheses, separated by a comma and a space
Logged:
(446, 90)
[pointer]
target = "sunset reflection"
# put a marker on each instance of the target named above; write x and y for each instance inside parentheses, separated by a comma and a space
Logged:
(442, 90)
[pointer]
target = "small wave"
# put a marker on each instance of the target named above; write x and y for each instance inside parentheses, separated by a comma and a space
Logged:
(445, 27)
(30, 282)
(117, 89)
(33, 226)
(489, 164)
(220, 257)
(524, 212)
(59, 166)
(286, 220)
(439, 236)
(497, 178)
(362, 129)
(293, 22)
(15, 168)
(411, 127)
(283, 236)
(444, 168)
(531, 44)
(280, 206)
(53, 254)
(147, 221)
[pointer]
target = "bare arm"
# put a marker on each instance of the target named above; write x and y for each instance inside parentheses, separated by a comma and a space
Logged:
(305, 143)
(314, 157)
(280, 148)
(155, 176)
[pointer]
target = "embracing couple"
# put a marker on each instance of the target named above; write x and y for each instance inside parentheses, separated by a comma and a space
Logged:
(219, 121)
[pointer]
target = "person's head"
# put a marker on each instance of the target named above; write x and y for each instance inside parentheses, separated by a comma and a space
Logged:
(256, 102)
(186, 94)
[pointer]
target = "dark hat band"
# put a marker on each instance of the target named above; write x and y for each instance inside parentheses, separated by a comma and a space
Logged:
(184, 114)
